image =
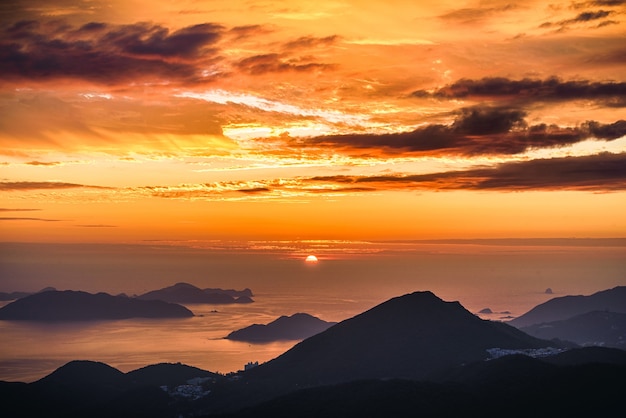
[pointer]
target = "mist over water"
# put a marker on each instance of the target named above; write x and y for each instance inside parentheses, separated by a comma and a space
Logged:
(349, 279)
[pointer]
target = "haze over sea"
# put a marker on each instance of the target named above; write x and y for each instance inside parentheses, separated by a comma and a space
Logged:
(503, 275)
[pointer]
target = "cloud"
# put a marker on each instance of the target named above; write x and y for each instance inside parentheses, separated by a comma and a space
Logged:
(602, 172)
(29, 219)
(476, 131)
(583, 17)
(43, 185)
(550, 89)
(278, 63)
(596, 173)
(104, 53)
(475, 14)
(18, 210)
(97, 226)
(307, 42)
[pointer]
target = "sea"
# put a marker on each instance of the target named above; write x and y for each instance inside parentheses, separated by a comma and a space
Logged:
(509, 278)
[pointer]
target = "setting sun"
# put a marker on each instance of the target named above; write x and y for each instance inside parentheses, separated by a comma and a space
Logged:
(311, 259)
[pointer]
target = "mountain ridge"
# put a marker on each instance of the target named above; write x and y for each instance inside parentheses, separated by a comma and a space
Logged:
(565, 307)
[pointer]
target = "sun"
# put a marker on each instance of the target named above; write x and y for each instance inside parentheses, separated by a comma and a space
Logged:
(311, 259)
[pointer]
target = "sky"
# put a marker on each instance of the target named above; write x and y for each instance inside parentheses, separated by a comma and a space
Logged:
(127, 121)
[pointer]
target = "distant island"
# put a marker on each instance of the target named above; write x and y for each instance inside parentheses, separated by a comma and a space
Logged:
(295, 327)
(72, 305)
(188, 293)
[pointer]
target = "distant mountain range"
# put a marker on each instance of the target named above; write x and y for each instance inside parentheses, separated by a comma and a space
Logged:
(565, 307)
(72, 305)
(412, 355)
(295, 327)
(601, 328)
(188, 293)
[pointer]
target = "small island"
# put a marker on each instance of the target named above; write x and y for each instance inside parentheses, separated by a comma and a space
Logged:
(72, 305)
(188, 293)
(295, 327)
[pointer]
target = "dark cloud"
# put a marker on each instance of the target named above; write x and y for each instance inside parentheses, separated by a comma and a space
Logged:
(42, 185)
(103, 53)
(531, 89)
(254, 190)
(476, 131)
(599, 3)
(153, 40)
(97, 226)
(277, 63)
(603, 172)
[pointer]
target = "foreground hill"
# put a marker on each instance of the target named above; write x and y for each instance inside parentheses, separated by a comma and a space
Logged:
(93, 389)
(295, 327)
(72, 305)
(580, 382)
(613, 300)
(513, 386)
(601, 328)
(188, 293)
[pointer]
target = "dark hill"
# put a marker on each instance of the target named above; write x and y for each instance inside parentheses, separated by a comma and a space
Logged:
(544, 392)
(410, 336)
(83, 372)
(71, 305)
(188, 293)
(170, 374)
(599, 328)
(565, 307)
(295, 327)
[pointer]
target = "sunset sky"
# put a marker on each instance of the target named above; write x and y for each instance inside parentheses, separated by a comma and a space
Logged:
(123, 121)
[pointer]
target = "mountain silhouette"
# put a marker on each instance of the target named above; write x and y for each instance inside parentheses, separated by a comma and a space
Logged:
(601, 328)
(295, 327)
(170, 374)
(411, 336)
(565, 307)
(72, 305)
(188, 293)
(513, 386)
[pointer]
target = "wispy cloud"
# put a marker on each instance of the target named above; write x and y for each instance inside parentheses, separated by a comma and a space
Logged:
(601, 173)
(43, 185)
(29, 219)
(18, 209)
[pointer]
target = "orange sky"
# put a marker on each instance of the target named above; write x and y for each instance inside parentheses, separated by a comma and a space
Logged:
(123, 121)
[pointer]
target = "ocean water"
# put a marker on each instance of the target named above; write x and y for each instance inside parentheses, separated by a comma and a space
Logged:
(508, 279)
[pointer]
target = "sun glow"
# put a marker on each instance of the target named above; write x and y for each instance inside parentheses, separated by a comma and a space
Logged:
(311, 259)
